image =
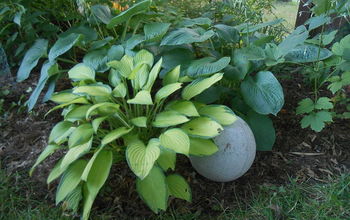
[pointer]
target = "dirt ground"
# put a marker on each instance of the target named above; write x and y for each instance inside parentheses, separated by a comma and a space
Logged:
(298, 153)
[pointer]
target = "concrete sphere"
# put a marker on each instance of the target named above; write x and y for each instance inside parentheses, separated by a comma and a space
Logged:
(235, 156)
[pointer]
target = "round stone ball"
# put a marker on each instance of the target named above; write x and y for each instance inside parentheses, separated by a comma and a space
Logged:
(235, 156)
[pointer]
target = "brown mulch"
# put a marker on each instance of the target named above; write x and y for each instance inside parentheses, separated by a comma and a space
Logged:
(300, 154)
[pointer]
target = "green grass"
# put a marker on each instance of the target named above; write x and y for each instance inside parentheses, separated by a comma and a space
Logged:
(18, 200)
(286, 10)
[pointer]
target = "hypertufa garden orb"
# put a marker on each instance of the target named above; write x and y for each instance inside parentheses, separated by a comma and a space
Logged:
(235, 155)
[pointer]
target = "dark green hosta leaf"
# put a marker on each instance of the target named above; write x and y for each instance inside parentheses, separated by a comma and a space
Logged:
(196, 21)
(88, 33)
(155, 31)
(263, 93)
(62, 45)
(307, 54)
(186, 36)
(31, 59)
(125, 15)
(227, 33)
(178, 187)
(206, 66)
(263, 130)
(102, 12)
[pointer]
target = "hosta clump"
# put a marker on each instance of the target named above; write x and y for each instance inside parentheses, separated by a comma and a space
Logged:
(123, 114)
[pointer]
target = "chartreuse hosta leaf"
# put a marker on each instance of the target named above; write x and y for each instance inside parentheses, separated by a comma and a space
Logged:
(142, 98)
(74, 153)
(141, 158)
(199, 85)
(70, 179)
(139, 76)
(178, 187)
(153, 75)
(167, 90)
(61, 131)
(140, 121)
(153, 190)
(115, 134)
(98, 174)
(81, 71)
(97, 122)
(50, 149)
(143, 57)
(220, 113)
(80, 135)
(73, 198)
(202, 127)
(169, 118)
(176, 140)
(80, 100)
(77, 113)
(56, 171)
(184, 107)
(172, 76)
(167, 159)
(119, 91)
(111, 106)
(121, 66)
(64, 97)
(202, 147)
(94, 90)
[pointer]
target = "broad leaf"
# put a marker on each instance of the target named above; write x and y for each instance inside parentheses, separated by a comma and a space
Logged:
(94, 90)
(74, 153)
(172, 76)
(186, 36)
(62, 45)
(178, 187)
(102, 12)
(155, 31)
(206, 66)
(176, 140)
(77, 113)
(64, 97)
(220, 113)
(199, 85)
(202, 127)
(82, 134)
(50, 149)
(167, 159)
(61, 131)
(56, 171)
(119, 91)
(140, 121)
(112, 107)
(142, 98)
(169, 118)
(227, 33)
(167, 90)
(307, 54)
(115, 134)
(202, 147)
(96, 123)
(81, 71)
(153, 75)
(97, 59)
(184, 107)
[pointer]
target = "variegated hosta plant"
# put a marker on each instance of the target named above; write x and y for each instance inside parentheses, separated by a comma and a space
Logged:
(130, 114)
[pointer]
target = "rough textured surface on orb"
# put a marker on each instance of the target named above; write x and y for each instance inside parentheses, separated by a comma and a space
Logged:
(235, 156)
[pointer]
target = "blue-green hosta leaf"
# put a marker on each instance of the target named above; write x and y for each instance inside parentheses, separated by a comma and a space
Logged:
(167, 90)
(109, 105)
(143, 57)
(153, 190)
(50, 149)
(70, 180)
(141, 158)
(64, 97)
(202, 127)
(252, 53)
(316, 120)
(98, 175)
(94, 90)
(184, 107)
(206, 66)
(61, 131)
(74, 153)
(169, 118)
(227, 33)
(76, 113)
(199, 85)
(263, 93)
(116, 52)
(100, 43)
(178, 187)
(307, 54)
(97, 59)
(178, 56)
(114, 135)
(175, 139)
(297, 37)
(119, 91)
(102, 12)
(220, 113)
(155, 31)
(127, 14)
(186, 36)
(167, 159)
(82, 134)
(31, 59)
(142, 98)
(62, 45)
(202, 147)
(81, 71)
(153, 75)
(172, 76)
(133, 41)
(140, 121)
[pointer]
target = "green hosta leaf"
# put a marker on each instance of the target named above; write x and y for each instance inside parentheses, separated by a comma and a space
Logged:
(167, 159)
(81, 71)
(184, 107)
(177, 56)
(115, 134)
(143, 57)
(80, 135)
(324, 103)
(206, 66)
(64, 97)
(186, 36)
(56, 171)
(102, 12)
(153, 190)
(63, 44)
(172, 76)
(305, 106)
(176, 140)
(77, 113)
(169, 118)
(316, 120)
(263, 93)
(155, 31)
(307, 54)
(167, 90)
(94, 90)
(199, 85)
(153, 75)
(98, 175)
(139, 76)
(61, 131)
(220, 113)
(109, 105)
(70, 180)
(31, 59)
(263, 130)
(202, 147)
(127, 14)
(50, 149)
(142, 98)
(74, 153)
(202, 127)
(119, 91)
(72, 200)
(141, 158)
(140, 121)
(178, 187)
(97, 122)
